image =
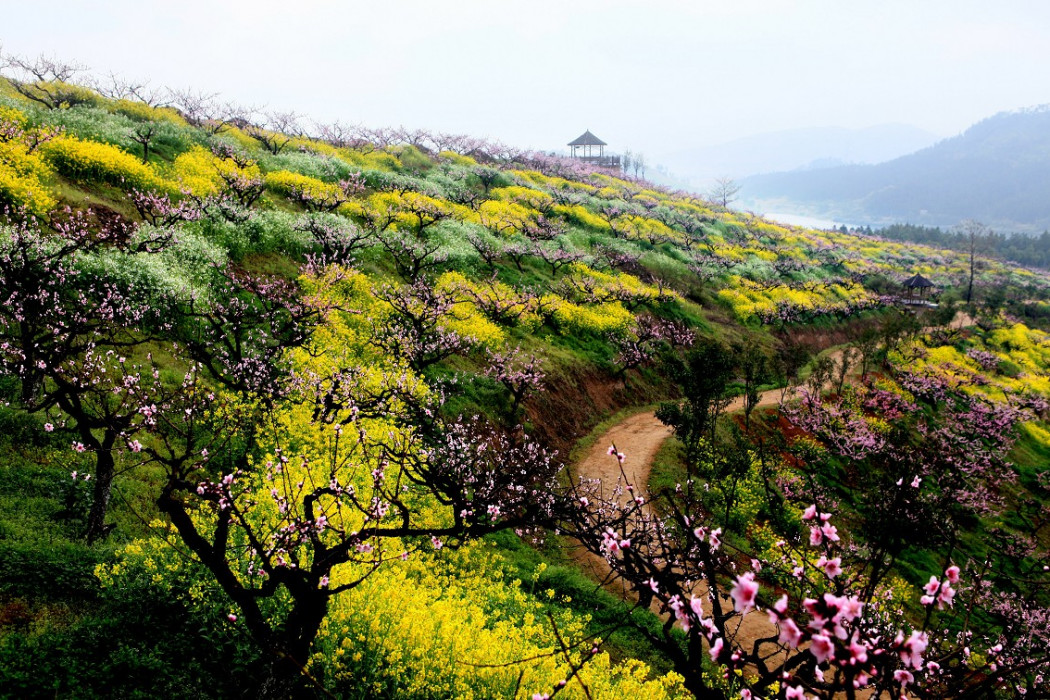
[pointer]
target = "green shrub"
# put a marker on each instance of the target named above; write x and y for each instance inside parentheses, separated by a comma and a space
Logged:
(62, 570)
(264, 232)
(169, 137)
(93, 124)
(412, 159)
(176, 272)
(137, 644)
(320, 167)
(380, 180)
(1009, 368)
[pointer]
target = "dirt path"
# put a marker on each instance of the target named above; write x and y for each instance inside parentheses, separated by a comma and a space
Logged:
(640, 437)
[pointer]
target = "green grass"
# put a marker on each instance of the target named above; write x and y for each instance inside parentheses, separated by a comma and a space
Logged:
(1030, 457)
(668, 466)
(61, 634)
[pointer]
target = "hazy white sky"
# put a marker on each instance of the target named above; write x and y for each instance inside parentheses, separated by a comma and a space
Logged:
(649, 75)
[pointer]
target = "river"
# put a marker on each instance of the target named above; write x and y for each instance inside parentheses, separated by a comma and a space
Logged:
(800, 220)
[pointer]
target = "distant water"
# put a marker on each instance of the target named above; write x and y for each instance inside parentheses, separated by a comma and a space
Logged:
(799, 220)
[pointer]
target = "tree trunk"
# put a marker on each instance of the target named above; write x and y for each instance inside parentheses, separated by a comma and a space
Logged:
(105, 470)
(969, 288)
(287, 676)
(693, 680)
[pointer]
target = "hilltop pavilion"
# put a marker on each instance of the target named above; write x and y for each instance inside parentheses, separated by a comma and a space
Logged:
(590, 149)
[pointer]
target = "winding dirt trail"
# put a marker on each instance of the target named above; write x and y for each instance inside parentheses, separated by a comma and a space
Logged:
(640, 437)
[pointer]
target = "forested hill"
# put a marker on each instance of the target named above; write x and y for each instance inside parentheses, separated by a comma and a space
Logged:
(998, 172)
(798, 149)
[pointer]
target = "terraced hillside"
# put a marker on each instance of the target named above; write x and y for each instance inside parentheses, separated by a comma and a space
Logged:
(287, 413)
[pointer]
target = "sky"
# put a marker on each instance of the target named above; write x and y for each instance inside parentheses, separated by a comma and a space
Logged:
(654, 76)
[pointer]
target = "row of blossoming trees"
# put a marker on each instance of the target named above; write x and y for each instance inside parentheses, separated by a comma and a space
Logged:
(756, 269)
(299, 426)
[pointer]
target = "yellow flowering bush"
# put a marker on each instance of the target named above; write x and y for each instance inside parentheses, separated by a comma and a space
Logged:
(412, 210)
(22, 179)
(202, 173)
(578, 214)
(533, 177)
(296, 185)
(590, 318)
(592, 285)
(1026, 350)
(370, 160)
(504, 217)
(241, 139)
(500, 302)
(90, 161)
(197, 170)
(144, 112)
(452, 625)
(457, 158)
(648, 229)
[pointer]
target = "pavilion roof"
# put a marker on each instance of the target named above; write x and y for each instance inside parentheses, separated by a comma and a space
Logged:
(917, 281)
(587, 139)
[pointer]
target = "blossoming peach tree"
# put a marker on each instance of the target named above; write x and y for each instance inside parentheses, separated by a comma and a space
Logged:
(813, 616)
(66, 333)
(296, 467)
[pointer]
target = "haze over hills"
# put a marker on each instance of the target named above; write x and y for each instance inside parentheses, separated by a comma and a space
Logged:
(997, 171)
(792, 149)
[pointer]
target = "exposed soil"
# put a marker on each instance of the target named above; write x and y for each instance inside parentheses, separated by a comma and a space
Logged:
(639, 437)
(817, 339)
(582, 400)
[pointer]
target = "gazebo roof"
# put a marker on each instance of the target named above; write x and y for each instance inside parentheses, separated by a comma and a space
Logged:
(917, 281)
(587, 139)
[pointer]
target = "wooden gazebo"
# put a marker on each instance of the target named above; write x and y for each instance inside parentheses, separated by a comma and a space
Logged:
(583, 146)
(591, 149)
(917, 287)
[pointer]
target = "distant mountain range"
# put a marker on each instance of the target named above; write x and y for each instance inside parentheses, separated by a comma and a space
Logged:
(814, 147)
(997, 171)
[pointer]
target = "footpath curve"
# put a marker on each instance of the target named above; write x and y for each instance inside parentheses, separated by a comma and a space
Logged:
(639, 437)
